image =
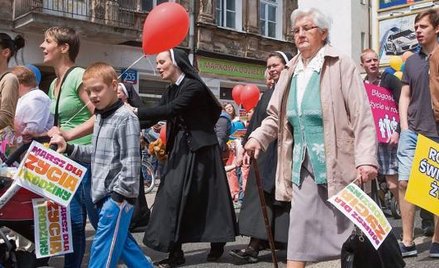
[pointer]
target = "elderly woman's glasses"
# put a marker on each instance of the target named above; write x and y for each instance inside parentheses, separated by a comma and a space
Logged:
(305, 28)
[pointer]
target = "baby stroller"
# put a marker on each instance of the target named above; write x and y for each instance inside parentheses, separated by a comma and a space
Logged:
(17, 215)
(384, 198)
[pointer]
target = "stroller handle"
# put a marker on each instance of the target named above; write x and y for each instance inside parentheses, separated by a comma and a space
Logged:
(15, 156)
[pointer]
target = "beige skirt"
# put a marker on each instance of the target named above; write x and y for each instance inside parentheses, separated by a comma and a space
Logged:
(317, 229)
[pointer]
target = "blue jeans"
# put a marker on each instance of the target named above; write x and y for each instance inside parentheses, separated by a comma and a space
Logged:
(79, 206)
(406, 152)
(113, 240)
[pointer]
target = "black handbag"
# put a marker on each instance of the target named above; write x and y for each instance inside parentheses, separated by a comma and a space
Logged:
(358, 252)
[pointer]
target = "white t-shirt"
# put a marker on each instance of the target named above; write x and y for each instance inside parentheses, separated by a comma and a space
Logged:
(32, 114)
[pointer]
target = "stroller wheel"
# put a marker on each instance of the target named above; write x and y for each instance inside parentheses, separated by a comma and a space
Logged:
(394, 208)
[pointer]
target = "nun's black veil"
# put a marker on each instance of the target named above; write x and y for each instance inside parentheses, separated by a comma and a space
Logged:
(182, 61)
(133, 98)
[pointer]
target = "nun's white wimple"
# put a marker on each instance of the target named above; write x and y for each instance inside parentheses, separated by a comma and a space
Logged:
(172, 57)
(124, 89)
(283, 56)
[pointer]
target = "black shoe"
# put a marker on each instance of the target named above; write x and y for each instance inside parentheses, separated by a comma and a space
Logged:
(175, 259)
(216, 251)
(408, 251)
(248, 254)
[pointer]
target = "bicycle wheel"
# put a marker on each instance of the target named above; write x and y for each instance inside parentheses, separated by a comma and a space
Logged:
(148, 177)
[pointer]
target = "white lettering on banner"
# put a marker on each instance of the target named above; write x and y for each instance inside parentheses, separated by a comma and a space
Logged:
(381, 96)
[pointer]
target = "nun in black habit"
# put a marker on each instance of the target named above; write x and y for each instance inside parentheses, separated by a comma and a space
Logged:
(251, 221)
(193, 203)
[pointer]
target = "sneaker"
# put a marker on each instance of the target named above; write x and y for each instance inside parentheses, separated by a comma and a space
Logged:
(434, 250)
(409, 251)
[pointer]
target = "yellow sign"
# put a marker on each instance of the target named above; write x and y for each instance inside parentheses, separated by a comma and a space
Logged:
(423, 186)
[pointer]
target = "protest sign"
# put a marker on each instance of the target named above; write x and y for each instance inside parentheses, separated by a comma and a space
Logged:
(384, 110)
(49, 174)
(53, 232)
(363, 212)
(423, 186)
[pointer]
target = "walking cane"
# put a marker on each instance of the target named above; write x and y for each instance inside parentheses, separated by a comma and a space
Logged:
(264, 212)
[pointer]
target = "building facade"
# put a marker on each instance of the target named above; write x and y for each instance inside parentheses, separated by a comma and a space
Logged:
(350, 27)
(228, 40)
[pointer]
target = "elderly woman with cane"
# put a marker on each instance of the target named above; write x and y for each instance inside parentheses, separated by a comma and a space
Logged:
(320, 115)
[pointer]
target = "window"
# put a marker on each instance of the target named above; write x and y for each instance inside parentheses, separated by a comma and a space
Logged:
(270, 18)
(229, 14)
(77, 9)
(147, 5)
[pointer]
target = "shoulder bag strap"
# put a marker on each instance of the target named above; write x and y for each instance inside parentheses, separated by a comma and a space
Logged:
(56, 117)
(3, 75)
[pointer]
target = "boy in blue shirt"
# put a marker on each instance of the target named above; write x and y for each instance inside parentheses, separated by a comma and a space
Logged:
(115, 164)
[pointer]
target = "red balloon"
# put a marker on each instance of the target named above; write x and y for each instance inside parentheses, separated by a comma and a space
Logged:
(236, 93)
(249, 96)
(165, 27)
(163, 134)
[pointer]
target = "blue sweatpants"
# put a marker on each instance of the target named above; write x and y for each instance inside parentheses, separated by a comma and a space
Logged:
(112, 240)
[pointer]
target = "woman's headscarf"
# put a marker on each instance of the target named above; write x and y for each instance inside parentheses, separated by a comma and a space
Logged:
(180, 58)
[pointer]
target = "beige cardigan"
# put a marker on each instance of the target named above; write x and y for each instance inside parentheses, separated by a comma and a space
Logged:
(349, 131)
(8, 99)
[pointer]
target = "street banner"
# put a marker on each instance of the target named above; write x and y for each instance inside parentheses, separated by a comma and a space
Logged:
(49, 174)
(423, 186)
(384, 110)
(53, 230)
(363, 212)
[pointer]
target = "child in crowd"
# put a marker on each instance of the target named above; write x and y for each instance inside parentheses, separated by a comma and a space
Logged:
(115, 162)
(32, 116)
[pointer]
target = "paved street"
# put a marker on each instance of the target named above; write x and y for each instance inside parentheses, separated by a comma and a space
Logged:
(196, 253)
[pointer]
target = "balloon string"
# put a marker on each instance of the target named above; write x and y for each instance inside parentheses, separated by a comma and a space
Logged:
(129, 67)
(68, 121)
(152, 66)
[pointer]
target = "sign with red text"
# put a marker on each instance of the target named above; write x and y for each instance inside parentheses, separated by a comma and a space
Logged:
(49, 174)
(363, 212)
(384, 110)
(53, 232)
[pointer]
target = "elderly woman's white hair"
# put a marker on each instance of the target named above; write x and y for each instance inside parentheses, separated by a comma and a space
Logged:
(320, 20)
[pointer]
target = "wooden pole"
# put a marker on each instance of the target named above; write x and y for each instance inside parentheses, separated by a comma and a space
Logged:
(264, 212)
